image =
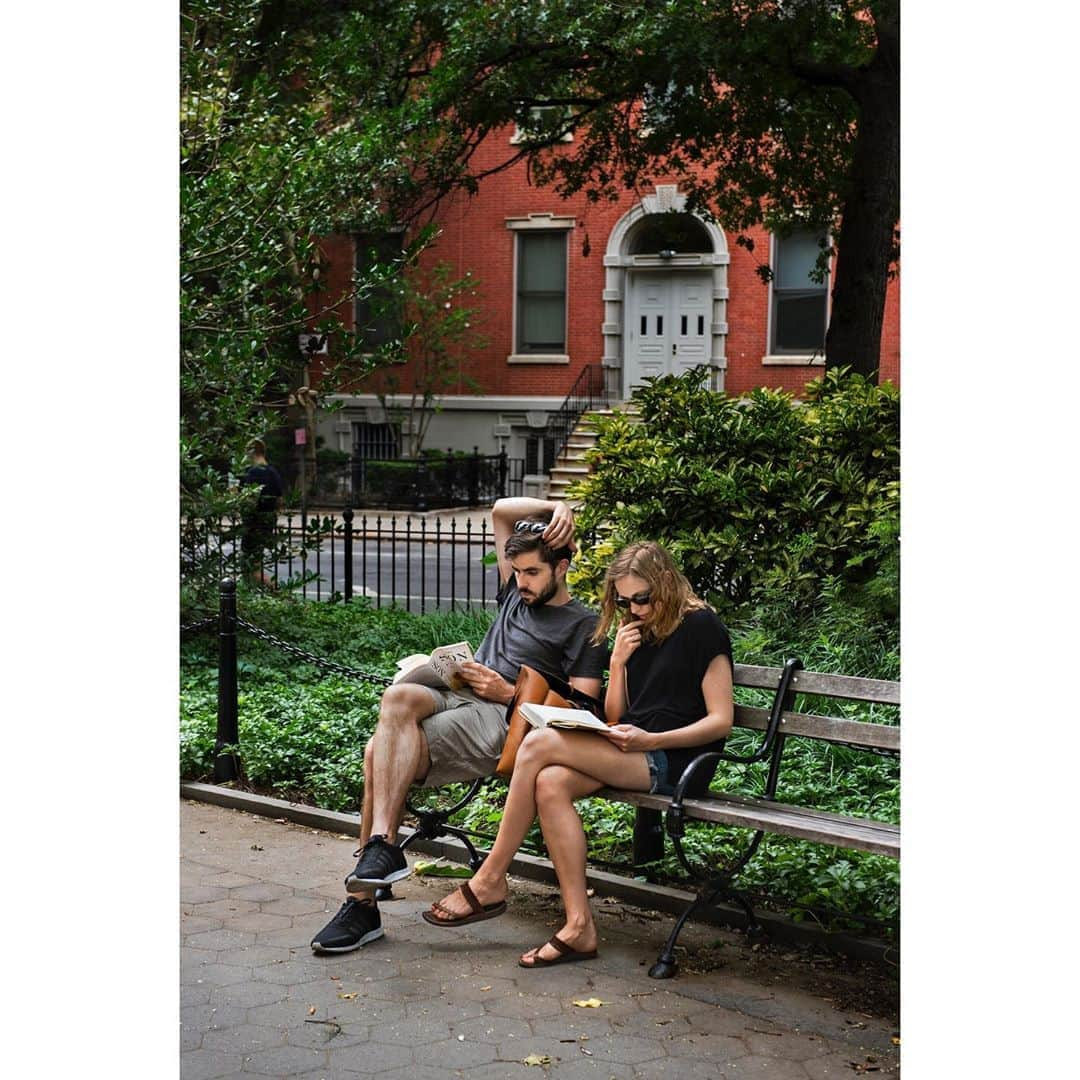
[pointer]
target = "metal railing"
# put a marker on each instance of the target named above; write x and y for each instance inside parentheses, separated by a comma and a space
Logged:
(419, 565)
(432, 482)
(588, 392)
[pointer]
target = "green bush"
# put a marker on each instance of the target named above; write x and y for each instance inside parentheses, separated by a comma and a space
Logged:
(757, 497)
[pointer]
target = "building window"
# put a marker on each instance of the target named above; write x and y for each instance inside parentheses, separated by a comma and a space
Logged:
(541, 122)
(799, 314)
(376, 442)
(539, 454)
(541, 292)
(377, 321)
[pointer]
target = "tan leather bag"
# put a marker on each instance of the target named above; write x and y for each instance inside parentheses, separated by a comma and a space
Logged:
(534, 688)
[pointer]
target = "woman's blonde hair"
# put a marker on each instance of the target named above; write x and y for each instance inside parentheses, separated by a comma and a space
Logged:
(671, 596)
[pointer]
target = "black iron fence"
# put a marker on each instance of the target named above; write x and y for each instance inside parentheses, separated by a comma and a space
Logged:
(420, 565)
(435, 481)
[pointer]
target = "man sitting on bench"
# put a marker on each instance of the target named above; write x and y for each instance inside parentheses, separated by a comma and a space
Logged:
(431, 737)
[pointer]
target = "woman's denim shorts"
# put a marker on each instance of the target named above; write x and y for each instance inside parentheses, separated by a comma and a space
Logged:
(660, 784)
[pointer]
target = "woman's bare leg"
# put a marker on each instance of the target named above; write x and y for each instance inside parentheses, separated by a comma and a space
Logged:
(557, 787)
(589, 754)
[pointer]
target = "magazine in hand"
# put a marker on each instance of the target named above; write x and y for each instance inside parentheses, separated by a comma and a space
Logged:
(567, 719)
(442, 669)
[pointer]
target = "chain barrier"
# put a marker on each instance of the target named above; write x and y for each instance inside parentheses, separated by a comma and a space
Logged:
(203, 624)
(311, 658)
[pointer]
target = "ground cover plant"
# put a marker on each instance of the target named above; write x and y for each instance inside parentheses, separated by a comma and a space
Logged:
(302, 733)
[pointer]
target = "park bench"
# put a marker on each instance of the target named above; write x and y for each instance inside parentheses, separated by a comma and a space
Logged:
(765, 813)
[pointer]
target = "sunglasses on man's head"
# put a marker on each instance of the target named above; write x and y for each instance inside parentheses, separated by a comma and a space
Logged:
(529, 526)
(641, 599)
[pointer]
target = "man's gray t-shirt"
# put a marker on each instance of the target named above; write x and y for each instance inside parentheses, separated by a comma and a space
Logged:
(553, 639)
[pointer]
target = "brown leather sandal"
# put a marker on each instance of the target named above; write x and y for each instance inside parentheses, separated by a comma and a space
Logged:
(567, 954)
(478, 914)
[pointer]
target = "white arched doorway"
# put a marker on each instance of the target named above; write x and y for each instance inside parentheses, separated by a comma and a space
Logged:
(665, 308)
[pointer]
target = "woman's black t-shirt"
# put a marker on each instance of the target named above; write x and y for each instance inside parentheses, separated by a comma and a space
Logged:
(664, 683)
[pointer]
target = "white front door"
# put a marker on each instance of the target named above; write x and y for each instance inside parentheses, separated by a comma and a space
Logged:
(668, 324)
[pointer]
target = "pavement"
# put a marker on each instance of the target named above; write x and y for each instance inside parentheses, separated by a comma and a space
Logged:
(425, 1003)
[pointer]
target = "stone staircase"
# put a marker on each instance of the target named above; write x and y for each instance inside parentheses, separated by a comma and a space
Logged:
(571, 465)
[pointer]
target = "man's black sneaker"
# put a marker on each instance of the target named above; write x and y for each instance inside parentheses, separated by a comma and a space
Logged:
(356, 923)
(380, 864)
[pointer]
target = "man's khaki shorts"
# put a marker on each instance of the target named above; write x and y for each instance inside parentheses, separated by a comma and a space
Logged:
(465, 736)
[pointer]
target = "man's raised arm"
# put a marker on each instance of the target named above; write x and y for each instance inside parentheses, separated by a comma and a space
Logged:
(505, 512)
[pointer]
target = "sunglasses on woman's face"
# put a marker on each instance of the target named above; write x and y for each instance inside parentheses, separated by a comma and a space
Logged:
(640, 599)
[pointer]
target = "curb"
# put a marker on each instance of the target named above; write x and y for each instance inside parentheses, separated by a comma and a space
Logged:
(629, 890)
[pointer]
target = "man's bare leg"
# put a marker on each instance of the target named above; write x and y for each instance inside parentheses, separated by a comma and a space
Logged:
(395, 757)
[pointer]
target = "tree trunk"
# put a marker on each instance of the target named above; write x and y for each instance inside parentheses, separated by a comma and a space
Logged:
(865, 243)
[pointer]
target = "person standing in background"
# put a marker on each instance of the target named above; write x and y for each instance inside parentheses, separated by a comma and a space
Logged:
(260, 521)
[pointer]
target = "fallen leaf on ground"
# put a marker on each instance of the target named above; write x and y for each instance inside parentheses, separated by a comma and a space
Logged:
(536, 1059)
(485, 987)
(348, 997)
(255, 847)
(311, 1011)
(589, 1003)
(895, 1041)
(440, 868)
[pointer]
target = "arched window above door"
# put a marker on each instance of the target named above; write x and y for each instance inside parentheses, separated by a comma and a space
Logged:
(673, 232)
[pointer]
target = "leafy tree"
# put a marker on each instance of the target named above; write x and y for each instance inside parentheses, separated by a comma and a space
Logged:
(781, 113)
(295, 123)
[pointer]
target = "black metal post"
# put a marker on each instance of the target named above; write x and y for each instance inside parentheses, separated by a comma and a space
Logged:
(474, 477)
(502, 472)
(225, 766)
(421, 485)
(648, 836)
(348, 516)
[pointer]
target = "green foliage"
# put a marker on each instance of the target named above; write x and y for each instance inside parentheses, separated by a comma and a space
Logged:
(302, 734)
(296, 122)
(763, 501)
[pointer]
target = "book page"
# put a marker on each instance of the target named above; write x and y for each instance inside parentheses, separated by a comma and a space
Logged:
(553, 716)
(446, 661)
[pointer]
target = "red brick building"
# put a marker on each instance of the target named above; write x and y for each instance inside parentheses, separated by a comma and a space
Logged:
(563, 284)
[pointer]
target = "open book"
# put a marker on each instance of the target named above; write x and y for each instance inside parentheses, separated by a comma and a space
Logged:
(552, 716)
(441, 669)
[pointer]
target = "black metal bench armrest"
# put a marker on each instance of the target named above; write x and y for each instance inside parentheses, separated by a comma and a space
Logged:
(674, 818)
(783, 699)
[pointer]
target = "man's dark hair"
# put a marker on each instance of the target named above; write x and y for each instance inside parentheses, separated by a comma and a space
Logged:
(524, 539)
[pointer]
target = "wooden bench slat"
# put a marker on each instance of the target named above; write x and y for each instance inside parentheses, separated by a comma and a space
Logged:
(879, 837)
(881, 691)
(825, 728)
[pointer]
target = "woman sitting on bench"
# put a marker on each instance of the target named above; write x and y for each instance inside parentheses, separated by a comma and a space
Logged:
(668, 700)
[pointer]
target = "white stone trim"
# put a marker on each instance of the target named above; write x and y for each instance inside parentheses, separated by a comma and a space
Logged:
(455, 402)
(618, 263)
(538, 358)
(540, 221)
(809, 360)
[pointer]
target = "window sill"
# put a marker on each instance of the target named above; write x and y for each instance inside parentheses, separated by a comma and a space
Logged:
(808, 360)
(538, 358)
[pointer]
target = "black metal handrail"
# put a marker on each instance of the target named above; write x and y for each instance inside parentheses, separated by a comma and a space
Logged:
(588, 392)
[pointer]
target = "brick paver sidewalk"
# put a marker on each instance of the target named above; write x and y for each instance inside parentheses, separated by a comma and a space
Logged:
(425, 1003)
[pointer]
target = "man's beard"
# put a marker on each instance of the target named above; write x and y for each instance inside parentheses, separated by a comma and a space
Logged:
(544, 595)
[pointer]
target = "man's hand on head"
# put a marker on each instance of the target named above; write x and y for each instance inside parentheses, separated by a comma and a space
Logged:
(486, 683)
(560, 532)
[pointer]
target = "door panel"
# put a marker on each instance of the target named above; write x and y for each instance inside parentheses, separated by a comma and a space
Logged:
(668, 324)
